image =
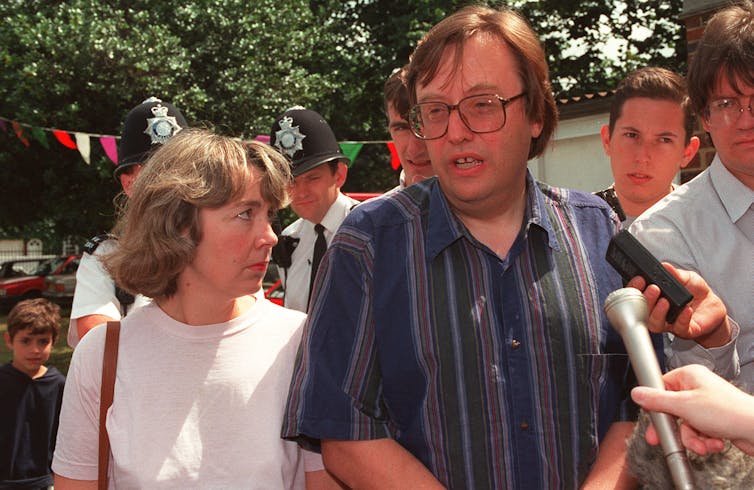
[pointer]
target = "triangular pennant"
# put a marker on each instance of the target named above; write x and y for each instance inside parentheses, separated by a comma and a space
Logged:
(395, 161)
(111, 149)
(19, 132)
(39, 135)
(82, 143)
(351, 150)
(64, 138)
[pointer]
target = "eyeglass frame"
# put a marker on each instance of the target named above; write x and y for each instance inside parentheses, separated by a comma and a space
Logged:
(741, 109)
(451, 107)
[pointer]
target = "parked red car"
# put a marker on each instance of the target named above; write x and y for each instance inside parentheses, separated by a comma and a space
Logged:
(275, 292)
(24, 285)
(362, 196)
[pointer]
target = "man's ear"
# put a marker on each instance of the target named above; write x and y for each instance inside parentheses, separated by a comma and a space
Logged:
(340, 174)
(7, 340)
(690, 151)
(605, 136)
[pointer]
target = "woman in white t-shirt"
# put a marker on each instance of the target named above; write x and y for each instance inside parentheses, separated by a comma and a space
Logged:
(203, 371)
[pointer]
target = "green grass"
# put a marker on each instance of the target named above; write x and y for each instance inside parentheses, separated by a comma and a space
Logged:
(61, 352)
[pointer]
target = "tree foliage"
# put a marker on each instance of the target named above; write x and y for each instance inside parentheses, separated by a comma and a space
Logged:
(82, 64)
(234, 65)
(592, 44)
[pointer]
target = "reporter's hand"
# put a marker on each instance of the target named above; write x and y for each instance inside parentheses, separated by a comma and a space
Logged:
(711, 408)
(704, 319)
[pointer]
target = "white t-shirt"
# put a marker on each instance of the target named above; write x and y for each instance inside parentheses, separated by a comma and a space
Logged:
(194, 406)
(95, 291)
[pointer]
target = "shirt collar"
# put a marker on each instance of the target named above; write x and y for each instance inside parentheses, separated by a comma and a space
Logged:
(337, 211)
(536, 211)
(444, 228)
(402, 179)
(735, 196)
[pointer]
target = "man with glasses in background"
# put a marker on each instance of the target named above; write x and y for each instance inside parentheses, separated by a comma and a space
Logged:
(457, 339)
(707, 225)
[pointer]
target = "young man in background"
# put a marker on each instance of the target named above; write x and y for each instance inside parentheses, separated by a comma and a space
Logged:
(649, 139)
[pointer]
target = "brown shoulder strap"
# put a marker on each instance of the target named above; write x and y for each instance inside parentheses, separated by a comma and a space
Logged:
(109, 366)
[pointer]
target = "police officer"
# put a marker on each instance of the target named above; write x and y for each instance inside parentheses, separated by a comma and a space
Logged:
(97, 299)
(319, 170)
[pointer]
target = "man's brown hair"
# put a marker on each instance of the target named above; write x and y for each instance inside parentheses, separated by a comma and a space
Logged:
(515, 31)
(725, 49)
(653, 83)
(395, 92)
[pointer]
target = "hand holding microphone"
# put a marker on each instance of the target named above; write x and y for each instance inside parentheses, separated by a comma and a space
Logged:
(627, 311)
(681, 302)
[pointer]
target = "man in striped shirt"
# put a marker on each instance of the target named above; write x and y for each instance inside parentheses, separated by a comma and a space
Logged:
(456, 337)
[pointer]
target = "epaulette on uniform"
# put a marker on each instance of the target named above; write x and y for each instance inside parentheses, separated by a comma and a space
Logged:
(91, 245)
(610, 197)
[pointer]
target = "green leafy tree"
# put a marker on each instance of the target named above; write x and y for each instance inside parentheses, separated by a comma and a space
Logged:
(592, 44)
(234, 65)
(83, 64)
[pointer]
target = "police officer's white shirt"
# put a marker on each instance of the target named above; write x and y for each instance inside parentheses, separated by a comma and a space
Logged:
(95, 291)
(296, 282)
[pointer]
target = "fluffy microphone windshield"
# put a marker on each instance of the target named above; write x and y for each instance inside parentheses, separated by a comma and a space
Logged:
(731, 469)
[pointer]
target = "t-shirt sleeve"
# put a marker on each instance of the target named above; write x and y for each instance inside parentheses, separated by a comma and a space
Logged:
(76, 448)
(336, 387)
(94, 294)
(312, 461)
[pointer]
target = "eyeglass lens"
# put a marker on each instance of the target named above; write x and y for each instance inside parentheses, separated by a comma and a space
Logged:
(480, 113)
(726, 111)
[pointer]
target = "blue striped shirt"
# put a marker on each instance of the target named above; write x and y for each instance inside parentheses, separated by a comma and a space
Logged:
(494, 372)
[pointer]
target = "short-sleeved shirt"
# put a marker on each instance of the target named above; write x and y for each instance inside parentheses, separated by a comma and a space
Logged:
(95, 291)
(296, 278)
(29, 410)
(495, 372)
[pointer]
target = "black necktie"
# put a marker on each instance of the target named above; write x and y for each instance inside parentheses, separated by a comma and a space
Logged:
(320, 246)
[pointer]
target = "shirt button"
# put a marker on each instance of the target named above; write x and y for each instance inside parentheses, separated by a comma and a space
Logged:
(524, 425)
(515, 344)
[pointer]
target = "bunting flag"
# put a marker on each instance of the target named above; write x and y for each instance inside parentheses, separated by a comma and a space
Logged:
(64, 138)
(39, 135)
(20, 133)
(110, 147)
(395, 161)
(351, 150)
(82, 143)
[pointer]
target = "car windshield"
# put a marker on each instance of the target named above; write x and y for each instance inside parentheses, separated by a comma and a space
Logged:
(47, 266)
(20, 268)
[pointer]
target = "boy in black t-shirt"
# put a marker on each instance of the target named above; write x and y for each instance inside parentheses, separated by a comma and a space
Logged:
(30, 396)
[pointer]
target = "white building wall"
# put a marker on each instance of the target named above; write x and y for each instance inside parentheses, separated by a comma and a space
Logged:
(575, 158)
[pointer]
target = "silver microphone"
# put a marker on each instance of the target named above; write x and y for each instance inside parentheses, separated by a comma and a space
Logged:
(627, 311)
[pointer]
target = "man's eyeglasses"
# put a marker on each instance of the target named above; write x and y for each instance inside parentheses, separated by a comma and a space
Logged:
(726, 111)
(480, 113)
